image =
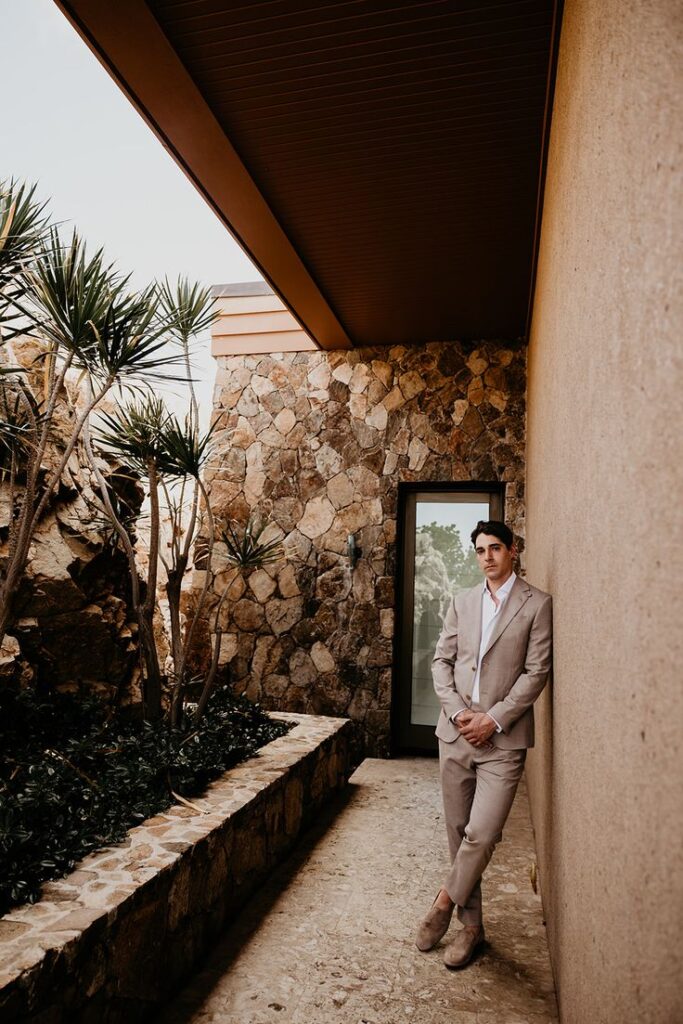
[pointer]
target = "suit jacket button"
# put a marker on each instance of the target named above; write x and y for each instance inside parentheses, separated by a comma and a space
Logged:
(468, 697)
(474, 668)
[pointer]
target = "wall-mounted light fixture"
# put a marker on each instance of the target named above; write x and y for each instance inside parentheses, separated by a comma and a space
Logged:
(352, 550)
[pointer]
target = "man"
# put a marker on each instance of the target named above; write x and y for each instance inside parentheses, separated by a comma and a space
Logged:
(491, 662)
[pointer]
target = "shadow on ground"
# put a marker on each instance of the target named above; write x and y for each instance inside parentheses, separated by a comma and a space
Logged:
(329, 937)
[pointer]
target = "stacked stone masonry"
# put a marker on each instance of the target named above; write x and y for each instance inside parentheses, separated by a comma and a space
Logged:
(318, 443)
(111, 940)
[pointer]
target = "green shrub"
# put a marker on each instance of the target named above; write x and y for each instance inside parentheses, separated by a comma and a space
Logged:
(75, 777)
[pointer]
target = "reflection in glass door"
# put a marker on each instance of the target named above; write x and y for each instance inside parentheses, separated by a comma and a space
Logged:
(438, 562)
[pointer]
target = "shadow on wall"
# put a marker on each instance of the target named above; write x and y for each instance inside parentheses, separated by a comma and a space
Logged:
(318, 442)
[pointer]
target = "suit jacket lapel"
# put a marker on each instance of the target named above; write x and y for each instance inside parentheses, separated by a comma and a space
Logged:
(476, 617)
(474, 610)
(517, 597)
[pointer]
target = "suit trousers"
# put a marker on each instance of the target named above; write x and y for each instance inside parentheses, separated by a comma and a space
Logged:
(478, 786)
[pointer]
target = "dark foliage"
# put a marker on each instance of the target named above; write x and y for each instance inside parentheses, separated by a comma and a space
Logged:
(75, 777)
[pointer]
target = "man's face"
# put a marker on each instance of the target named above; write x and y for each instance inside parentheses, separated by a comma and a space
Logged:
(495, 560)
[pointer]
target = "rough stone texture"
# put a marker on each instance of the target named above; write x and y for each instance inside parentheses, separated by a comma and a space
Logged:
(106, 942)
(329, 939)
(605, 527)
(356, 424)
(74, 626)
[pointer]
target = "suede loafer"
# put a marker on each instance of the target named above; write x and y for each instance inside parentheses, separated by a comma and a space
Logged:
(459, 952)
(433, 928)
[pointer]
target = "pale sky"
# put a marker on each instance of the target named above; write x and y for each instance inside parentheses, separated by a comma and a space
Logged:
(66, 125)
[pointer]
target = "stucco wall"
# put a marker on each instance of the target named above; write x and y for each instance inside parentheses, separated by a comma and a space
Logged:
(318, 442)
(604, 535)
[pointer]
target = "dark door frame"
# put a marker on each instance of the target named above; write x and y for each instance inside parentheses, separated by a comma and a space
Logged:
(422, 739)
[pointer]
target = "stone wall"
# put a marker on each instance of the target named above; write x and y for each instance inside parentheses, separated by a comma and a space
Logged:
(115, 938)
(318, 442)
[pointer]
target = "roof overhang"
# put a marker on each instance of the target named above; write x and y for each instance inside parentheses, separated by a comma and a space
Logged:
(381, 164)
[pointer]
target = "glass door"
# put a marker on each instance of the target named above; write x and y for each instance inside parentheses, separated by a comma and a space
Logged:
(437, 561)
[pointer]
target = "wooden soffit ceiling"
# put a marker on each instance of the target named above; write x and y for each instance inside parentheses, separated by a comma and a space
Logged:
(381, 162)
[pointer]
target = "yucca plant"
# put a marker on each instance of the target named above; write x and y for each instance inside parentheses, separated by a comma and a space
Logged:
(245, 549)
(188, 310)
(83, 318)
(134, 435)
(251, 550)
(169, 455)
(85, 321)
(186, 450)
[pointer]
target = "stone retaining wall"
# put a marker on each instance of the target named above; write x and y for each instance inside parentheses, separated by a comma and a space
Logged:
(318, 442)
(110, 941)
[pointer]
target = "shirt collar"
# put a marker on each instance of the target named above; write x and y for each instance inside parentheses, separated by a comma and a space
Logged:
(503, 591)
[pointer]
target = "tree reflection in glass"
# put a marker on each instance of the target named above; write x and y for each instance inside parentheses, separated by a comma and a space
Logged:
(445, 564)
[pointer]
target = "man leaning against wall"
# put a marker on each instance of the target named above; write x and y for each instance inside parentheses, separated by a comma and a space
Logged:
(491, 662)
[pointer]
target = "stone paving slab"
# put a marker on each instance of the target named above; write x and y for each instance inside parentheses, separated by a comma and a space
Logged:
(329, 938)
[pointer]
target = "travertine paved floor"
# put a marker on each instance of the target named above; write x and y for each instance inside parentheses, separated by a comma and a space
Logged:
(330, 938)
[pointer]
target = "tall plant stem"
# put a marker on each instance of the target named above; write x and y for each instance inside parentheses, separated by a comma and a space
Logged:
(153, 682)
(201, 601)
(194, 406)
(176, 575)
(174, 586)
(55, 385)
(148, 658)
(144, 611)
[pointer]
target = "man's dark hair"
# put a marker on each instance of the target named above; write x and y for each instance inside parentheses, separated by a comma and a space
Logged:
(494, 529)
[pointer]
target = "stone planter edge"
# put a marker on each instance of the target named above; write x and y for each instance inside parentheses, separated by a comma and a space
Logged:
(109, 942)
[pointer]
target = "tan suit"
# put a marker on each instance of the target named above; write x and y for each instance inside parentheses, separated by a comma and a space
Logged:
(479, 784)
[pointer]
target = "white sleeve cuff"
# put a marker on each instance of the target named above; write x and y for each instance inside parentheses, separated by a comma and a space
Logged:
(498, 728)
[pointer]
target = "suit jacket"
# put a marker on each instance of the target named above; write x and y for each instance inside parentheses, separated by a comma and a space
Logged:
(514, 666)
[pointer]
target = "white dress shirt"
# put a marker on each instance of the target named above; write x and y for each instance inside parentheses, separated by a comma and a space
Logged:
(489, 611)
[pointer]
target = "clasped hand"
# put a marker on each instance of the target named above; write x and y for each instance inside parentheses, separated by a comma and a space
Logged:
(476, 727)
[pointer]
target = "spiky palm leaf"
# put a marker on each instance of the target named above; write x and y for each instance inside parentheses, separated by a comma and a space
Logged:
(68, 292)
(83, 308)
(248, 550)
(23, 224)
(134, 432)
(131, 340)
(22, 228)
(187, 308)
(17, 425)
(183, 448)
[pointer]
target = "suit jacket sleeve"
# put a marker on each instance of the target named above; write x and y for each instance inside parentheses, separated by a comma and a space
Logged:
(444, 662)
(529, 684)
